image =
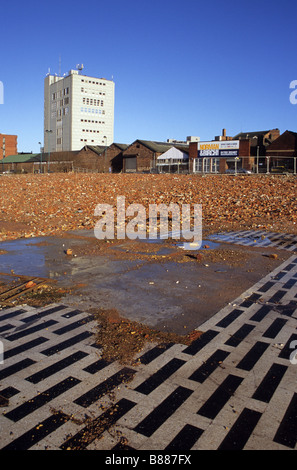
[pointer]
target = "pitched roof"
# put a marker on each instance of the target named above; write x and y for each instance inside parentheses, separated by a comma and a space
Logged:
(287, 139)
(160, 147)
(21, 158)
(155, 146)
(99, 149)
(121, 146)
(247, 135)
(293, 133)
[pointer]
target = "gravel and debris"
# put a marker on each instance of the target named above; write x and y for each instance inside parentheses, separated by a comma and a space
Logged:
(121, 339)
(51, 204)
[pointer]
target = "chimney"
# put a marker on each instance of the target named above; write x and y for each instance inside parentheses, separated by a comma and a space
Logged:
(224, 133)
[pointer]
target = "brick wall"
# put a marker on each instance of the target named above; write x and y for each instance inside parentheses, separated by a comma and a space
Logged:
(85, 159)
(223, 165)
(273, 134)
(245, 151)
(109, 160)
(17, 167)
(115, 158)
(10, 144)
(88, 159)
(193, 152)
(285, 145)
(144, 156)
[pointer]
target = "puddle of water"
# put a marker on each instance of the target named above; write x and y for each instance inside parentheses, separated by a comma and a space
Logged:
(205, 244)
(22, 258)
(168, 248)
(172, 237)
(141, 291)
(45, 256)
(171, 295)
(185, 245)
(40, 257)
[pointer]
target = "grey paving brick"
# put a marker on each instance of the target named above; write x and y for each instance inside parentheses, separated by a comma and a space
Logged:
(57, 387)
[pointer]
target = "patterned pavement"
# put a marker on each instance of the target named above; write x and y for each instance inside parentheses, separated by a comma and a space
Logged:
(258, 238)
(233, 388)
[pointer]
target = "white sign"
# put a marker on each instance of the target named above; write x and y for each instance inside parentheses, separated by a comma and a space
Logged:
(219, 145)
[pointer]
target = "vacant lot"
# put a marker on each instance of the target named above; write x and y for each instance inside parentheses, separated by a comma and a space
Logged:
(34, 205)
(151, 292)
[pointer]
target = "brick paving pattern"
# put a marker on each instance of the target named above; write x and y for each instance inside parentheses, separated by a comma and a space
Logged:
(233, 388)
(258, 238)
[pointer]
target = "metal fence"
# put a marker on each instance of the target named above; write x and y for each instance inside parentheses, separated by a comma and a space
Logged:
(248, 165)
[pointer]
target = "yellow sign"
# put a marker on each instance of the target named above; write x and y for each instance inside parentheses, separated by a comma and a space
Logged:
(210, 146)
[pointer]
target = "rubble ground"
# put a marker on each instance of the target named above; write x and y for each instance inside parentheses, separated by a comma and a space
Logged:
(121, 339)
(49, 204)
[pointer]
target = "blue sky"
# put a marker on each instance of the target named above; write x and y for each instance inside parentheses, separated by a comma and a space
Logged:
(180, 68)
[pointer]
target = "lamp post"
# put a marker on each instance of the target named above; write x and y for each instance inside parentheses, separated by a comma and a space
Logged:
(49, 149)
(104, 169)
(40, 157)
(236, 161)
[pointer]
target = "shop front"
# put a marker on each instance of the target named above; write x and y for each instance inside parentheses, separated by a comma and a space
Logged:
(217, 156)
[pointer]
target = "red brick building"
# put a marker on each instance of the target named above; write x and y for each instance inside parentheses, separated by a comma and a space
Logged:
(259, 140)
(219, 156)
(101, 158)
(8, 145)
(141, 155)
(281, 154)
(96, 158)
